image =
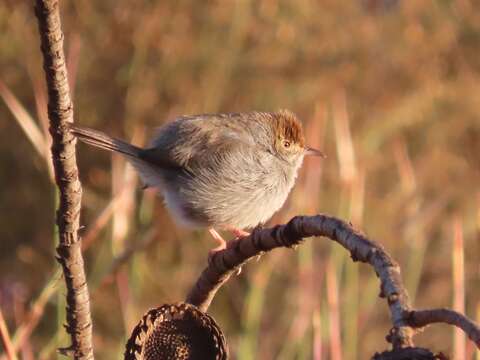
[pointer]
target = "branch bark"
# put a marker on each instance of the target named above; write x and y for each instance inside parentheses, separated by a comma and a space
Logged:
(421, 318)
(225, 263)
(60, 113)
(404, 319)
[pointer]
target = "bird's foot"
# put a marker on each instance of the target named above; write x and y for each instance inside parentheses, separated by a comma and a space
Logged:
(238, 233)
(222, 244)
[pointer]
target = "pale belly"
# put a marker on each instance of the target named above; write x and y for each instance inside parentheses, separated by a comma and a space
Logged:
(226, 207)
(237, 199)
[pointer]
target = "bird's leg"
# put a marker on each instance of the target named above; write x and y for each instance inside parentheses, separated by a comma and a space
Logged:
(239, 233)
(222, 244)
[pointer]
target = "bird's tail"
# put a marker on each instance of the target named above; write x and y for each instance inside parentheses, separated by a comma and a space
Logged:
(103, 141)
(148, 173)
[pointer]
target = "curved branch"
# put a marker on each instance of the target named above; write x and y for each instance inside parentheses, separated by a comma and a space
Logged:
(421, 318)
(60, 113)
(225, 263)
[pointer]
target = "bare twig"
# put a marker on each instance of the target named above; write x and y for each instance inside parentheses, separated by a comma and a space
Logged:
(60, 113)
(6, 339)
(421, 318)
(405, 320)
(224, 264)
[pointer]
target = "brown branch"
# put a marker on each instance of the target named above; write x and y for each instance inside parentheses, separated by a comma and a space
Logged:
(226, 262)
(60, 113)
(239, 251)
(421, 318)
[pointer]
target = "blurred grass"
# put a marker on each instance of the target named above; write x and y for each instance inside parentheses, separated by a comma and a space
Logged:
(458, 275)
(389, 92)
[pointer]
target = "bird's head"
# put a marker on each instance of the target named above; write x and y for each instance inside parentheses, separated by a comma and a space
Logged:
(289, 139)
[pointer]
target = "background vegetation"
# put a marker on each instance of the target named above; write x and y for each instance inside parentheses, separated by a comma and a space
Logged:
(389, 90)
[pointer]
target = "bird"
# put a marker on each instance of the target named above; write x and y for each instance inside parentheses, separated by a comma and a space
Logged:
(227, 171)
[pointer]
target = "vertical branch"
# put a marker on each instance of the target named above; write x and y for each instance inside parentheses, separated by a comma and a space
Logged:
(60, 113)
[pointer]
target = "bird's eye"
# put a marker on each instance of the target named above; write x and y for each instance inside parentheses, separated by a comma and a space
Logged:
(286, 144)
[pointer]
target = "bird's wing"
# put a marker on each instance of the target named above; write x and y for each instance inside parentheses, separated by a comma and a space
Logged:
(197, 141)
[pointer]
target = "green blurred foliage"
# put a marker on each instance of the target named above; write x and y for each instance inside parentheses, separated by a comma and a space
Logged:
(404, 76)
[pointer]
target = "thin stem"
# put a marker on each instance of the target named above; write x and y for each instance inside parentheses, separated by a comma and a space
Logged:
(6, 339)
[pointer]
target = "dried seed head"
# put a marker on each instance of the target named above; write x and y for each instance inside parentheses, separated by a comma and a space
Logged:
(176, 332)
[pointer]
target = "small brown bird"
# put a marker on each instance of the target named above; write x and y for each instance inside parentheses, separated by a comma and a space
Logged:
(225, 171)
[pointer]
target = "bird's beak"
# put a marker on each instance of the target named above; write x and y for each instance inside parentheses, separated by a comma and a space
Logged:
(314, 152)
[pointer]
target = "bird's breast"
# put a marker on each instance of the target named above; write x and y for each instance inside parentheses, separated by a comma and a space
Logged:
(233, 194)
